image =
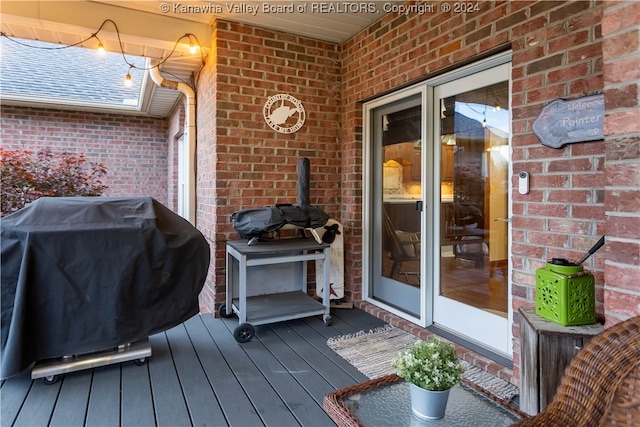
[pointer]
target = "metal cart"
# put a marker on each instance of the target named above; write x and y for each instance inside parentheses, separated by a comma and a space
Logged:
(267, 283)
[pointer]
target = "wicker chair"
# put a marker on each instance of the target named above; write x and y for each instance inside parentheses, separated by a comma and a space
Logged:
(601, 385)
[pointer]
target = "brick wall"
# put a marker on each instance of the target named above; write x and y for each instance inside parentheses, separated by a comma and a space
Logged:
(621, 58)
(133, 149)
(556, 54)
(243, 163)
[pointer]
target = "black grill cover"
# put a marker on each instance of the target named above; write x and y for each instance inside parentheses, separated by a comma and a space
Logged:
(254, 222)
(83, 274)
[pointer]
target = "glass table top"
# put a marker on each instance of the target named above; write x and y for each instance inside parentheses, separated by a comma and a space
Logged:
(390, 405)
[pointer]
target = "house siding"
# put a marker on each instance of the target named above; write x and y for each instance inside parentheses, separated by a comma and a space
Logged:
(133, 149)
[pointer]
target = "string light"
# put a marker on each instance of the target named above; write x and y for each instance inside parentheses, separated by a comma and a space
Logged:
(127, 80)
(100, 45)
(193, 48)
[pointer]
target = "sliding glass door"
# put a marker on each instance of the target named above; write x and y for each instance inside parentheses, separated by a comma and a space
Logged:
(436, 203)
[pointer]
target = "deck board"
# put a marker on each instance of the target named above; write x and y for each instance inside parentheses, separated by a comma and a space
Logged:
(170, 406)
(137, 401)
(292, 394)
(104, 400)
(71, 408)
(228, 391)
(319, 342)
(201, 402)
(265, 400)
(12, 394)
(200, 375)
(301, 371)
(38, 405)
(308, 355)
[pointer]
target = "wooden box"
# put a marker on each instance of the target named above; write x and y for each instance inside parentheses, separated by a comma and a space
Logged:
(546, 350)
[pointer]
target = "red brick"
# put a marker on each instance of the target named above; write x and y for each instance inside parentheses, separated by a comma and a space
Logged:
(623, 252)
(623, 303)
(588, 211)
(569, 226)
(623, 175)
(548, 239)
(622, 122)
(618, 200)
(548, 209)
(621, 44)
(570, 165)
(616, 18)
(622, 70)
(573, 39)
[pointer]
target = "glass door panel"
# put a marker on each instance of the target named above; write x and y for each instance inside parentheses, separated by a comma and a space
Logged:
(474, 201)
(473, 137)
(397, 207)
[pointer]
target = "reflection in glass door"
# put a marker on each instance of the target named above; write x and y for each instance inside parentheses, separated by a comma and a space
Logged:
(472, 285)
(396, 194)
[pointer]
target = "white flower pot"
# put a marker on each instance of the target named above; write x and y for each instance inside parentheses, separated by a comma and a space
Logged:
(428, 404)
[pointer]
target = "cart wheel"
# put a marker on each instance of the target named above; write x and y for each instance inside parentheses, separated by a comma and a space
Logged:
(141, 361)
(244, 332)
(51, 379)
(222, 311)
(327, 320)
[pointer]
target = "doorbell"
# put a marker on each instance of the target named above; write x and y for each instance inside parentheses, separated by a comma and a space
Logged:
(523, 182)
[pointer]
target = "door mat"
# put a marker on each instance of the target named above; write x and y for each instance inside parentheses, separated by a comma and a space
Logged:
(372, 352)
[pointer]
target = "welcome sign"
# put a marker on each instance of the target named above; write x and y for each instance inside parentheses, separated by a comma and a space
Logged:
(569, 121)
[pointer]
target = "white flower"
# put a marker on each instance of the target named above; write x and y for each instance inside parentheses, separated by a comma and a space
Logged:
(431, 364)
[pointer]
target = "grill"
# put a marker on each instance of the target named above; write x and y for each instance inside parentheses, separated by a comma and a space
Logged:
(88, 275)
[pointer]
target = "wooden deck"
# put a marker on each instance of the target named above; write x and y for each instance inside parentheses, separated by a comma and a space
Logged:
(199, 375)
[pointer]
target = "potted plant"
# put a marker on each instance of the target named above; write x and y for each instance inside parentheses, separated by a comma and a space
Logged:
(431, 368)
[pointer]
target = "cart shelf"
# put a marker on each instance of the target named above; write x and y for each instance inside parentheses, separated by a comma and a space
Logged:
(267, 283)
(280, 307)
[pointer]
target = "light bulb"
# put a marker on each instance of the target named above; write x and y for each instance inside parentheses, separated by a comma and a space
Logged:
(100, 48)
(127, 80)
(192, 48)
(484, 123)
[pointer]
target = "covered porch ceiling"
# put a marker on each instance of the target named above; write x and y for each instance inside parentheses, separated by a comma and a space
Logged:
(151, 29)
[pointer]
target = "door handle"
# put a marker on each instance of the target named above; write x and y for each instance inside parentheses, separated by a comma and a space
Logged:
(419, 205)
(503, 219)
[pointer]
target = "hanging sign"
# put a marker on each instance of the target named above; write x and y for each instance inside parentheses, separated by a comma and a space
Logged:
(279, 109)
(569, 121)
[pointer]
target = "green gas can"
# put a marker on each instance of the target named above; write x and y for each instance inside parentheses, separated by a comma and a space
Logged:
(565, 293)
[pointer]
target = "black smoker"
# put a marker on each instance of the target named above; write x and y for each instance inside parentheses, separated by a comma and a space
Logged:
(252, 223)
